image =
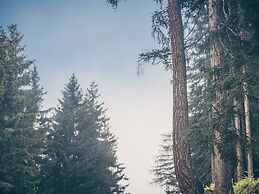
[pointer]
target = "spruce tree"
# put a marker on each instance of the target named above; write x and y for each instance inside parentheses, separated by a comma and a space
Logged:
(110, 172)
(19, 172)
(81, 151)
(59, 154)
(163, 170)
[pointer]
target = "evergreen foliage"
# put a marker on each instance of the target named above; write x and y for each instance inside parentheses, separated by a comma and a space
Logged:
(163, 170)
(73, 152)
(239, 39)
(81, 153)
(237, 57)
(18, 87)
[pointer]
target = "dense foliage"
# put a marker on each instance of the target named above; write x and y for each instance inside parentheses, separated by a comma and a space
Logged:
(81, 153)
(163, 170)
(238, 78)
(19, 88)
(71, 152)
(235, 116)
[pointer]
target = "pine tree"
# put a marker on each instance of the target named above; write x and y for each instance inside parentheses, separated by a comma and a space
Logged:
(19, 172)
(239, 42)
(163, 170)
(221, 174)
(188, 181)
(115, 176)
(237, 35)
(234, 37)
(59, 155)
(81, 151)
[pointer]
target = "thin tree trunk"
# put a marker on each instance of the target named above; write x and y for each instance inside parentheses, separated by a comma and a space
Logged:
(250, 167)
(188, 182)
(239, 156)
(221, 174)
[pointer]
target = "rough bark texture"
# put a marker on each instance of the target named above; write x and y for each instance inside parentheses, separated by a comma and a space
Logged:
(188, 183)
(250, 167)
(221, 175)
(239, 156)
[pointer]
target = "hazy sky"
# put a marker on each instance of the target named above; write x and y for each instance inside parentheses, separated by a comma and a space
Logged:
(88, 38)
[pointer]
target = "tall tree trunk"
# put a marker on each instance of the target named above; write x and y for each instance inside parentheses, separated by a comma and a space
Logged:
(188, 182)
(221, 174)
(239, 156)
(250, 167)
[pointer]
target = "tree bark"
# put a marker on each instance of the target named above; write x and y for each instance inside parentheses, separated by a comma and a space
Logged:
(188, 182)
(250, 167)
(221, 174)
(239, 154)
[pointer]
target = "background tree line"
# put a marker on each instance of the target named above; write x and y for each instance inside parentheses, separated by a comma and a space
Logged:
(72, 151)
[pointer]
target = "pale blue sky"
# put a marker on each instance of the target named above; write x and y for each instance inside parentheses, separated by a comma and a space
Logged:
(90, 39)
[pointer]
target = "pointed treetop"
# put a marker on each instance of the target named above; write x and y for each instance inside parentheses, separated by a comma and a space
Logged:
(72, 93)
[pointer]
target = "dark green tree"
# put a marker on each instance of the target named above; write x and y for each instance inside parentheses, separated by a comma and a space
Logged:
(19, 172)
(81, 152)
(237, 79)
(110, 170)
(56, 168)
